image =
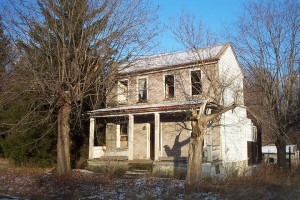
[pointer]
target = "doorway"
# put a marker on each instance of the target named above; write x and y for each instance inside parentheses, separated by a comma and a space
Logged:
(152, 141)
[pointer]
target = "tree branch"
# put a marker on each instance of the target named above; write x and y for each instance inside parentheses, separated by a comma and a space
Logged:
(213, 116)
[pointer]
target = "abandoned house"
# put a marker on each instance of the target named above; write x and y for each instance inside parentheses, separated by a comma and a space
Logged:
(147, 118)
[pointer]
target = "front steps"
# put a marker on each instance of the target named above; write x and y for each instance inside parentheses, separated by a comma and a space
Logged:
(140, 168)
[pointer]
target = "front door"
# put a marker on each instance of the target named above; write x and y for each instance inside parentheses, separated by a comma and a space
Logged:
(152, 144)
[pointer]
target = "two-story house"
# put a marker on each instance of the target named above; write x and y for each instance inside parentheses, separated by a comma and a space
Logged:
(148, 111)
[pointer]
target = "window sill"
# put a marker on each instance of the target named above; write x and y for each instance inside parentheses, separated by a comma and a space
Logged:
(122, 148)
(142, 101)
(169, 99)
(122, 103)
(196, 95)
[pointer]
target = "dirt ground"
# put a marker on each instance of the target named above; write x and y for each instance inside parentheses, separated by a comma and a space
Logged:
(34, 183)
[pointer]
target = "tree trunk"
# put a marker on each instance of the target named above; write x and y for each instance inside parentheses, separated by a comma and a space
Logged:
(63, 140)
(281, 153)
(194, 168)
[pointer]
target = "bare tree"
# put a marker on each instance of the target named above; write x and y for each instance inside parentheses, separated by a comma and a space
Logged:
(4, 48)
(72, 48)
(193, 36)
(267, 40)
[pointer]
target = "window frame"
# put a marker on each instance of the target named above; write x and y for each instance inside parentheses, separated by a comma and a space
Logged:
(200, 82)
(138, 90)
(120, 135)
(121, 92)
(167, 97)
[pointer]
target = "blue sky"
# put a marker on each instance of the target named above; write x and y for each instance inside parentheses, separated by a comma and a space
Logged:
(213, 13)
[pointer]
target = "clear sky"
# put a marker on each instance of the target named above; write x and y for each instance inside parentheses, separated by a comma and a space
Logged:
(213, 13)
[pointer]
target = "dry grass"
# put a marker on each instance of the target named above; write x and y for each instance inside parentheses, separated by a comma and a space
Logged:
(266, 182)
(37, 183)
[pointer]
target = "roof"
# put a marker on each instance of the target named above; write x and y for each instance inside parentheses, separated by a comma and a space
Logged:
(172, 106)
(174, 59)
(273, 149)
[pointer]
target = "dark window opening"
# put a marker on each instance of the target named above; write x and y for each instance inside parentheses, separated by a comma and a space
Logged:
(142, 87)
(169, 86)
(196, 82)
(100, 136)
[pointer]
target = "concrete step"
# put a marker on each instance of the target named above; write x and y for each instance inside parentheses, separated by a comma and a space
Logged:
(137, 172)
(140, 166)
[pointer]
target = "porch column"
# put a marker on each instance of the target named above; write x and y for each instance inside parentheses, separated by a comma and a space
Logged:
(156, 135)
(130, 136)
(91, 138)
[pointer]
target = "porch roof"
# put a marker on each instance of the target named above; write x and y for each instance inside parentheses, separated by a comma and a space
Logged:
(146, 108)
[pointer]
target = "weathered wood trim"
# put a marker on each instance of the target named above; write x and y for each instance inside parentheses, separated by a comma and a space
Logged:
(157, 153)
(91, 138)
(130, 136)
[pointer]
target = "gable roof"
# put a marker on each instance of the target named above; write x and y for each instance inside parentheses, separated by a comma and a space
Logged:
(161, 61)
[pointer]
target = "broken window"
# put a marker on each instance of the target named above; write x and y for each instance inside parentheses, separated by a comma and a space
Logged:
(123, 91)
(169, 86)
(123, 135)
(142, 87)
(196, 82)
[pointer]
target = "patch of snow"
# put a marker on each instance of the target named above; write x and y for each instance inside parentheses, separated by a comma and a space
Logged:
(84, 171)
(46, 174)
(17, 179)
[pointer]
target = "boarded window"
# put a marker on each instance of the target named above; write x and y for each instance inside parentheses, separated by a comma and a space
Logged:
(123, 91)
(169, 86)
(196, 82)
(142, 87)
(111, 136)
(123, 135)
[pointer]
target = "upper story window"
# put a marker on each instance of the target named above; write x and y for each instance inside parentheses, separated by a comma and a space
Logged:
(123, 91)
(142, 89)
(196, 82)
(169, 86)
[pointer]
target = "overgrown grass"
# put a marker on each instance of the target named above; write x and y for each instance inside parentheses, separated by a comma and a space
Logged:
(109, 171)
(266, 182)
(43, 183)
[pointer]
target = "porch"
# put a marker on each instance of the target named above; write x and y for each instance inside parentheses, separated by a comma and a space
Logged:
(162, 168)
(152, 133)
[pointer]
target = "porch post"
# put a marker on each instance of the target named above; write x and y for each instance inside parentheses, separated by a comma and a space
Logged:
(156, 135)
(130, 136)
(91, 138)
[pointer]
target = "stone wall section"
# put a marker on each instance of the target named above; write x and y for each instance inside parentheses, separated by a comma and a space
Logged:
(175, 140)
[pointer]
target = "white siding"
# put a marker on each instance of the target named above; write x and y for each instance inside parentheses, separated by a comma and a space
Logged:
(234, 130)
(231, 74)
